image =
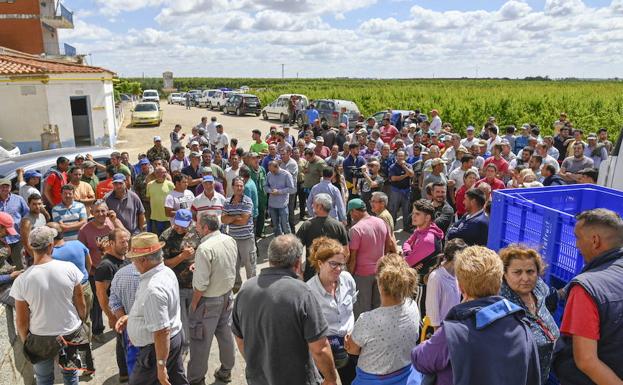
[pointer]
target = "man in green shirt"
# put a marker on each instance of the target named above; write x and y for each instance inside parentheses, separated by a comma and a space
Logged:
(88, 174)
(120, 168)
(259, 146)
(313, 172)
(157, 191)
(258, 175)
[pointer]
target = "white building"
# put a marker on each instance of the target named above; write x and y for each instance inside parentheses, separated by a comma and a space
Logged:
(54, 103)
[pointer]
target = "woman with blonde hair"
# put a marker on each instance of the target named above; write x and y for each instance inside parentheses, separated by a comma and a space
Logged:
(523, 286)
(335, 290)
(485, 335)
(383, 337)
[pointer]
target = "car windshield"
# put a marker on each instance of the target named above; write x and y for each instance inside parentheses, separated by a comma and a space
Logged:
(175, 95)
(251, 100)
(7, 145)
(150, 94)
(146, 107)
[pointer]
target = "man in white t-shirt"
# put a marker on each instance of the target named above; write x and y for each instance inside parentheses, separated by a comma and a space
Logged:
(179, 198)
(220, 140)
(48, 301)
(470, 140)
(232, 172)
(435, 124)
(211, 129)
(179, 160)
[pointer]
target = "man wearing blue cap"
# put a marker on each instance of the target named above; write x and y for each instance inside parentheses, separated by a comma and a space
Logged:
(127, 205)
(180, 242)
(209, 202)
(28, 182)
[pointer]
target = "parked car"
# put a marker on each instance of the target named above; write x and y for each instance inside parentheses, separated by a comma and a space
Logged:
(219, 98)
(242, 104)
(8, 149)
(194, 97)
(42, 161)
(396, 118)
(151, 96)
(331, 109)
(125, 98)
(175, 98)
(278, 109)
(204, 99)
(146, 113)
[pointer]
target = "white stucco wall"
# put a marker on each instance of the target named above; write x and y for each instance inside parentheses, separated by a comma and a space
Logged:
(51, 105)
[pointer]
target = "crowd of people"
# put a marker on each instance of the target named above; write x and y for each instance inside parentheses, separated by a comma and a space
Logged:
(158, 247)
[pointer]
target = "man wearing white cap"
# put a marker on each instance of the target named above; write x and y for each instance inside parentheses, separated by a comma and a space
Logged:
(471, 139)
(158, 151)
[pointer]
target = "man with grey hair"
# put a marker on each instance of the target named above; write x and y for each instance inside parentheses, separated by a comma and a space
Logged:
(591, 323)
(378, 203)
(291, 321)
(210, 308)
(49, 303)
(322, 224)
(154, 323)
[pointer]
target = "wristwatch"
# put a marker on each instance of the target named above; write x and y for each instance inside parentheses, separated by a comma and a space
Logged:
(161, 363)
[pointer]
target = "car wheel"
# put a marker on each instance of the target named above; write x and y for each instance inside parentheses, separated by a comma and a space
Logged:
(238, 112)
(257, 114)
(264, 115)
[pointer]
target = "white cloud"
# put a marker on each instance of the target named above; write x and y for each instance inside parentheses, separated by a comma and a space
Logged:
(247, 37)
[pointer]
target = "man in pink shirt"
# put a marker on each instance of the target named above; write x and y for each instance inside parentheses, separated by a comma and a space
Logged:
(388, 132)
(370, 239)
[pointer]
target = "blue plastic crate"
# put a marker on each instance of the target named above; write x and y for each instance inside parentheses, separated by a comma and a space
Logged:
(544, 218)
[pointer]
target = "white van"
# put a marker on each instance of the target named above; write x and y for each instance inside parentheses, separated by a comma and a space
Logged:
(151, 96)
(218, 99)
(611, 170)
(204, 99)
(278, 109)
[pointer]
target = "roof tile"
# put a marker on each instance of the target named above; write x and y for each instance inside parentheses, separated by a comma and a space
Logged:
(18, 65)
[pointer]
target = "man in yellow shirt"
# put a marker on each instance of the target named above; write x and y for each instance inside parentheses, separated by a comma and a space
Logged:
(157, 191)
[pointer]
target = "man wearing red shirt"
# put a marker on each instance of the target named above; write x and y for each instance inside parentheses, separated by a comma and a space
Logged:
(498, 161)
(591, 329)
(388, 132)
(491, 171)
(57, 178)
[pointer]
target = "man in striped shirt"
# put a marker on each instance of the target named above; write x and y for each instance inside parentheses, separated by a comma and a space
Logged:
(209, 202)
(71, 215)
(238, 214)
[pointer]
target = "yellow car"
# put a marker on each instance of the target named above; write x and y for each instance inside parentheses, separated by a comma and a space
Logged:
(146, 113)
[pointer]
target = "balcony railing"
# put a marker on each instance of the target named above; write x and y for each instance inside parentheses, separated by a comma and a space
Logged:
(63, 18)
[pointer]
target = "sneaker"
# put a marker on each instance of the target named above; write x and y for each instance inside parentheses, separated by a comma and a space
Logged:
(223, 375)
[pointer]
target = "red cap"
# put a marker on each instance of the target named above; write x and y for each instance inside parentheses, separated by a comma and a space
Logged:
(6, 221)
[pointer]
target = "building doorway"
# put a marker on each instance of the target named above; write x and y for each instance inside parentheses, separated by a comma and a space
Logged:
(81, 118)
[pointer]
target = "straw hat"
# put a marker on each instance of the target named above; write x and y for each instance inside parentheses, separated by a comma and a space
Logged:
(144, 244)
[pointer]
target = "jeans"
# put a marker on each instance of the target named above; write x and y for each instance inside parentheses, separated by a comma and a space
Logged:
(279, 219)
(397, 200)
(157, 227)
(44, 373)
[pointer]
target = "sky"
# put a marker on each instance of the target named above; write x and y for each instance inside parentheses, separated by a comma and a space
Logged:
(351, 38)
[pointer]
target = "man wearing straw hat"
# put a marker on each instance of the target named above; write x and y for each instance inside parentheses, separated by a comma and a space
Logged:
(154, 322)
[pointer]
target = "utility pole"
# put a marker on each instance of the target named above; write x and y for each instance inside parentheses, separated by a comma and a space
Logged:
(283, 71)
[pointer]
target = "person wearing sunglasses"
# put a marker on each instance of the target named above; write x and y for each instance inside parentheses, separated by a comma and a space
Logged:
(335, 290)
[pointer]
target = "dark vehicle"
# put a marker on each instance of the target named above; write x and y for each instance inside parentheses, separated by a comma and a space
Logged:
(242, 104)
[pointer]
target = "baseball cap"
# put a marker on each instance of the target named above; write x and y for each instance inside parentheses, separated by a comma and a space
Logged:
(592, 135)
(355, 204)
(41, 236)
(253, 154)
(470, 128)
(79, 156)
(462, 148)
(143, 161)
(362, 132)
(437, 161)
(320, 139)
(6, 221)
(88, 164)
(31, 174)
(183, 217)
(157, 139)
(208, 178)
(118, 178)
(194, 143)
(525, 126)
(446, 138)
(434, 110)
(505, 142)
(195, 154)
(412, 125)
(4, 181)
